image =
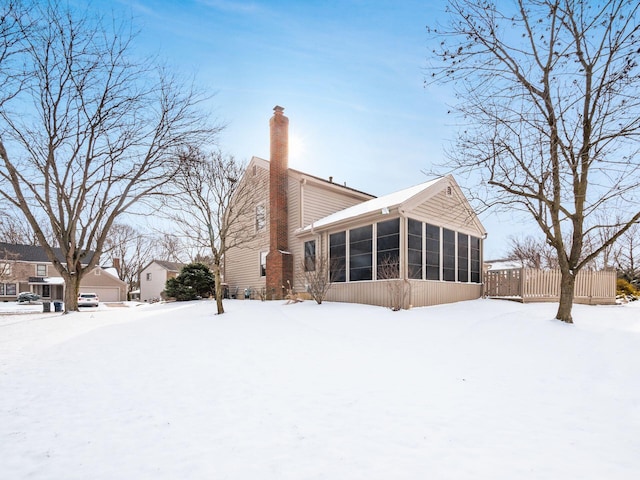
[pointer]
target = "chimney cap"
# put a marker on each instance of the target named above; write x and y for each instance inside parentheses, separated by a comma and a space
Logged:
(278, 109)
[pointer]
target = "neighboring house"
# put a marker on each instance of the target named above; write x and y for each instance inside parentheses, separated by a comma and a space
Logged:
(27, 269)
(154, 276)
(428, 234)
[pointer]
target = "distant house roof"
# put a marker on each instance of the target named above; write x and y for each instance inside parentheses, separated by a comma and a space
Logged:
(32, 253)
(170, 266)
(503, 264)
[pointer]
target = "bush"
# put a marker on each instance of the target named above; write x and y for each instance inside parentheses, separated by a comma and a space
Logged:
(626, 289)
(195, 281)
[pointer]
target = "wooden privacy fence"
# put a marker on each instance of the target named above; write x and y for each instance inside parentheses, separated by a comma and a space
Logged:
(531, 285)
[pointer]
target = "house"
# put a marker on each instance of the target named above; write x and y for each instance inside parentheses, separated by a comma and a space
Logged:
(154, 276)
(26, 268)
(424, 242)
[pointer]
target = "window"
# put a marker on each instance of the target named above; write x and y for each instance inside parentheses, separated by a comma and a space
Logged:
(1, 289)
(433, 252)
(254, 170)
(148, 277)
(475, 259)
(41, 270)
(463, 257)
(360, 253)
(263, 264)
(310, 256)
(448, 255)
(5, 269)
(338, 257)
(10, 289)
(414, 249)
(96, 271)
(261, 217)
(388, 249)
(46, 291)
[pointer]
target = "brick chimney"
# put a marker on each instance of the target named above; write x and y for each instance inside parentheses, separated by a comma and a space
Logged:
(279, 259)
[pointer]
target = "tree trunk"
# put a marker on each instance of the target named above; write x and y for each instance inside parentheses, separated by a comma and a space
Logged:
(567, 289)
(71, 290)
(219, 289)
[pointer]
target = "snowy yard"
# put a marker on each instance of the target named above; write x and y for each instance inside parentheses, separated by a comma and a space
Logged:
(474, 390)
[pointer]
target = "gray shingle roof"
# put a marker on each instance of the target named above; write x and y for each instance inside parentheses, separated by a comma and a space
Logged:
(170, 266)
(30, 253)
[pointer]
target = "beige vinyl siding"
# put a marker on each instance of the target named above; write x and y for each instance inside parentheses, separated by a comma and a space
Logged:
(418, 293)
(242, 264)
(108, 287)
(446, 211)
(320, 201)
(310, 201)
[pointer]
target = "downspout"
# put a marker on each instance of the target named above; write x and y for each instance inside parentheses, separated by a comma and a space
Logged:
(303, 182)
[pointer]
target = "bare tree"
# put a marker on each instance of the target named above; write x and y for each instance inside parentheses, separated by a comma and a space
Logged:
(14, 230)
(627, 253)
(171, 248)
(214, 206)
(131, 249)
(7, 261)
(532, 252)
(550, 95)
(14, 25)
(89, 133)
(388, 269)
(315, 275)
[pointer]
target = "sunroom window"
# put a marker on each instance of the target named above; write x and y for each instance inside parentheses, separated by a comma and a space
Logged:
(360, 253)
(448, 255)
(388, 249)
(338, 256)
(463, 257)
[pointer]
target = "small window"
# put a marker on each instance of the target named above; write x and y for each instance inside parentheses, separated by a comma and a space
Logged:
(1, 289)
(263, 264)
(310, 256)
(255, 170)
(5, 269)
(97, 271)
(10, 289)
(41, 270)
(261, 217)
(149, 277)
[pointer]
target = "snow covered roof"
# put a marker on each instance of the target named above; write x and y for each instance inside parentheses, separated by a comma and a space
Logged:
(503, 264)
(381, 204)
(47, 281)
(111, 271)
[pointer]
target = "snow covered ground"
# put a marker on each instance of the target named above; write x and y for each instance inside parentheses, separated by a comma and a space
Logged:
(475, 390)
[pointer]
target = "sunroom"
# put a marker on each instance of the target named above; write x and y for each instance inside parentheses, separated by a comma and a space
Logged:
(419, 246)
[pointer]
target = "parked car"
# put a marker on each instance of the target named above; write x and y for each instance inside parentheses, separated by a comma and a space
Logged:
(88, 300)
(28, 297)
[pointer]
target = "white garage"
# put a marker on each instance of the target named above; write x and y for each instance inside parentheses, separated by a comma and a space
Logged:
(105, 284)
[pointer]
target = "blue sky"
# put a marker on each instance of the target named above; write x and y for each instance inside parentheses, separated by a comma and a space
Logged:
(349, 74)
